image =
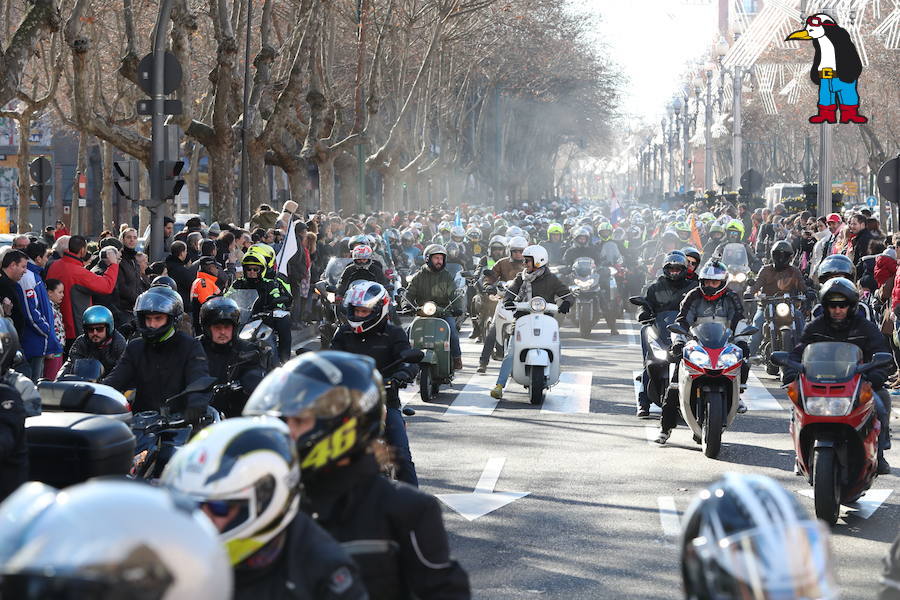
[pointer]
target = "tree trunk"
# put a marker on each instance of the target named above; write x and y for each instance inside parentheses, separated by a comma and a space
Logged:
(346, 169)
(193, 181)
(326, 182)
(221, 182)
(75, 221)
(23, 125)
(297, 186)
(106, 193)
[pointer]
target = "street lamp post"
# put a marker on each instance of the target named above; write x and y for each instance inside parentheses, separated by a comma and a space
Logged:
(662, 157)
(670, 140)
(677, 105)
(736, 138)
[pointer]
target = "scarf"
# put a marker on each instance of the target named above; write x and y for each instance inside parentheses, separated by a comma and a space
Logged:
(527, 279)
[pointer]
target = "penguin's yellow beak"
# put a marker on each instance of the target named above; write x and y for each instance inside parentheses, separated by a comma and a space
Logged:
(799, 35)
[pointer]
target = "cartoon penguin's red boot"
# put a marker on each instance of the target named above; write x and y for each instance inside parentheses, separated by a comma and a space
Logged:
(827, 114)
(849, 114)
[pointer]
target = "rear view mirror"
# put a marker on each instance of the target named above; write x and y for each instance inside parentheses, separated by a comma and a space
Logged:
(676, 328)
(488, 272)
(780, 358)
(748, 331)
(639, 301)
(879, 359)
(203, 384)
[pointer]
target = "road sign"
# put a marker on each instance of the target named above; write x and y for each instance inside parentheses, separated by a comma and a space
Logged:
(889, 180)
(41, 170)
(82, 186)
(871, 201)
(40, 193)
(171, 74)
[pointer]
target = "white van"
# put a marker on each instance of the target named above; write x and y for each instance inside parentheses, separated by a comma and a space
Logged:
(776, 193)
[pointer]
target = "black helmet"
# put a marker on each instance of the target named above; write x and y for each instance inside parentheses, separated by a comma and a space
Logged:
(9, 345)
(219, 310)
(162, 300)
(835, 265)
(781, 253)
(742, 538)
(342, 391)
(164, 280)
(675, 267)
(691, 252)
(839, 289)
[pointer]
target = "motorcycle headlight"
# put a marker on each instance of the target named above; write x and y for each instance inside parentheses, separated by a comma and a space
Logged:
(740, 277)
(782, 309)
(330, 297)
(698, 356)
(429, 308)
(538, 304)
(729, 357)
(584, 283)
(824, 406)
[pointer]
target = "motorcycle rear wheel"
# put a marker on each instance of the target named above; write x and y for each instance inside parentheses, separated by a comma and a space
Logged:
(826, 485)
(712, 424)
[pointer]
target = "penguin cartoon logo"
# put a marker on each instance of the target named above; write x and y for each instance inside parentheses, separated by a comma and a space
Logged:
(835, 69)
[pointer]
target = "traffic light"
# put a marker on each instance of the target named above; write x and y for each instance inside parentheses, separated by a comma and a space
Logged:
(171, 182)
(127, 180)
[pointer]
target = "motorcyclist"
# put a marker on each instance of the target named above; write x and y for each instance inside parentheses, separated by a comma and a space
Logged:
(609, 248)
(536, 280)
(741, 538)
(244, 475)
(363, 267)
(474, 247)
(433, 282)
(664, 295)
(711, 301)
(13, 447)
(780, 277)
(840, 322)
(714, 238)
(693, 261)
(272, 295)
(234, 362)
(368, 332)
(839, 265)
(163, 360)
(734, 234)
(508, 267)
(496, 252)
(109, 538)
(333, 404)
(581, 247)
(100, 341)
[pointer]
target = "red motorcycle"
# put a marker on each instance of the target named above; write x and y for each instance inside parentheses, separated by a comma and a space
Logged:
(834, 423)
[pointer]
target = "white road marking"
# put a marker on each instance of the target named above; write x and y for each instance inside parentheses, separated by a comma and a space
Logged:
(651, 432)
(757, 397)
(571, 395)
(668, 516)
(865, 507)
(483, 499)
(632, 333)
(474, 399)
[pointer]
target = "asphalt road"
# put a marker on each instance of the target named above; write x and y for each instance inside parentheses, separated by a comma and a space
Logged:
(582, 504)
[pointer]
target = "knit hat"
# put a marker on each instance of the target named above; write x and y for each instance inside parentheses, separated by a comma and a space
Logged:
(215, 229)
(290, 206)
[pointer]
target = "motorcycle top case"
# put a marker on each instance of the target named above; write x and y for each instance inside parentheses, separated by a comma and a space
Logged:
(66, 448)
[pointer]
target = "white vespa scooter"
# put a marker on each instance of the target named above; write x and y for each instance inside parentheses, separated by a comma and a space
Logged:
(535, 348)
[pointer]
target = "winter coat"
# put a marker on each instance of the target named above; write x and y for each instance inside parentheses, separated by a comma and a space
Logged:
(38, 336)
(546, 285)
(107, 353)
(505, 269)
(437, 286)
(129, 284)
(354, 272)
(13, 449)
(728, 308)
(70, 270)
(183, 277)
(665, 295)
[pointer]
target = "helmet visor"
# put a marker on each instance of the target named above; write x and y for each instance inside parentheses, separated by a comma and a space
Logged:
(284, 393)
(773, 563)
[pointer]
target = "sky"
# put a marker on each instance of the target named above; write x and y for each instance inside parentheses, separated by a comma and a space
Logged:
(653, 41)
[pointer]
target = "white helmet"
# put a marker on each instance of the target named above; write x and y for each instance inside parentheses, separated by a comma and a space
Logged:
(247, 463)
(112, 538)
(515, 231)
(367, 294)
(517, 243)
(538, 254)
(457, 231)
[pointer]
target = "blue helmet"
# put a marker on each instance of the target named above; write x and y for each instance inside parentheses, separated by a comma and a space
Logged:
(98, 315)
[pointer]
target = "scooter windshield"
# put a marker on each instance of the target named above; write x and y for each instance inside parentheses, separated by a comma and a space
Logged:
(663, 320)
(583, 267)
(735, 255)
(245, 300)
(829, 362)
(712, 334)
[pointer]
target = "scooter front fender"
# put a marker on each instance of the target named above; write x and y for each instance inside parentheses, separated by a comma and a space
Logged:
(537, 357)
(429, 357)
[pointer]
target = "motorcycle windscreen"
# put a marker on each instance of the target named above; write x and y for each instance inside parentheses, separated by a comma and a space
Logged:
(245, 300)
(831, 362)
(663, 320)
(711, 334)
(334, 269)
(735, 255)
(789, 561)
(583, 267)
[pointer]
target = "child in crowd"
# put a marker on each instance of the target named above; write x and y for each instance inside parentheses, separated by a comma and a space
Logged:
(54, 362)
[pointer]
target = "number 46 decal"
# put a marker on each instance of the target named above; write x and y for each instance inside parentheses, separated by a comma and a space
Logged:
(332, 447)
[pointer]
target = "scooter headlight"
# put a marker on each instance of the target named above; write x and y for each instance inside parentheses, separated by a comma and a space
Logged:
(729, 357)
(538, 304)
(659, 353)
(429, 308)
(824, 406)
(330, 296)
(698, 356)
(782, 309)
(740, 277)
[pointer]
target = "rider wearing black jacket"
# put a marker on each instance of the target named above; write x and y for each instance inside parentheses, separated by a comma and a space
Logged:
(234, 362)
(366, 269)
(368, 332)
(840, 322)
(13, 449)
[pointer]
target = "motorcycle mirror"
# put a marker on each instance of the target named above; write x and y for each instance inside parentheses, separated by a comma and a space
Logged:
(202, 384)
(879, 359)
(780, 358)
(748, 331)
(638, 301)
(412, 355)
(466, 274)
(676, 328)
(487, 272)
(331, 288)
(302, 350)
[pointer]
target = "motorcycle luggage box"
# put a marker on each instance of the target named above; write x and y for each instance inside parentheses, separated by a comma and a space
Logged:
(66, 448)
(92, 398)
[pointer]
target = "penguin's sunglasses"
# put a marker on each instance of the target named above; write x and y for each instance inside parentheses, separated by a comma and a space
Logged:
(817, 22)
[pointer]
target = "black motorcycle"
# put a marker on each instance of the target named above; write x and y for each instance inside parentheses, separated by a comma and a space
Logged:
(591, 297)
(657, 339)
(779, 329)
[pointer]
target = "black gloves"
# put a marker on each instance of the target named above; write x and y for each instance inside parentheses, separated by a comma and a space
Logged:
(456, 312)
(509, 305)
(195, 408)
(645, 316)
(677, 350)
(564, 307)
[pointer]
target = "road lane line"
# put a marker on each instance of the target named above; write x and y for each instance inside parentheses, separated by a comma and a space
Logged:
(669, 518)
(571, 395)
(651, 432)
(474, 399)
(632, 333)
(757, 397)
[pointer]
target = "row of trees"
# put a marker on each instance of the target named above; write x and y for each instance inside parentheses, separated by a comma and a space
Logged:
(455, 91)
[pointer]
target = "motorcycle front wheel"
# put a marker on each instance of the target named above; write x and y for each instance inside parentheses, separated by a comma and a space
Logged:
(712, 424)
(585, 322)
(536, 387)
(826, 485)
(425, 384)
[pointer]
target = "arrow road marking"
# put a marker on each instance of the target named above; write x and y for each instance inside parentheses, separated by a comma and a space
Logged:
(865, 507)
(758, 397)
(473, 400)
(483, 499)
(668, 516)
(571, 395)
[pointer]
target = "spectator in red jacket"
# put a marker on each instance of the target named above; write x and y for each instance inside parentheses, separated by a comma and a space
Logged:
(71, 272)
(61, 230)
